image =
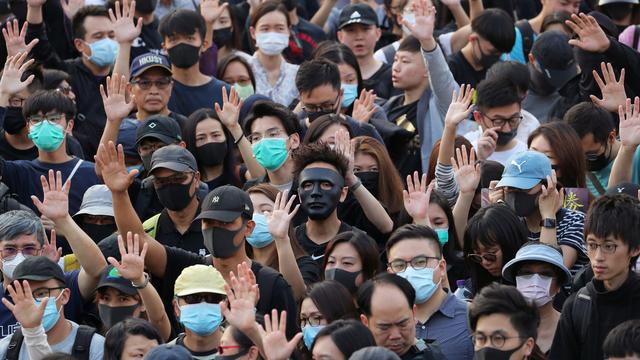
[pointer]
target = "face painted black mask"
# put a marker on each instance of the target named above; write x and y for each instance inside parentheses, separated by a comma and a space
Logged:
(369, 180)
(222, 36)
(344, 277)
(175, 197)
(224, 245)
(14, 121)
(112, 315)
(522, 203)
(98, 232)
(211, 154)
(320, 190)
(184, 55)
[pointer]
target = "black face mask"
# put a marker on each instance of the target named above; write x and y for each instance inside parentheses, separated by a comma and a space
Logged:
(505, 137)
(369, 180)
(14, 121)
(146, 6)
(224, 245)
(234, 356)
(487, 60)
(222, 36)
(146, 161)
(211, 154)
(522, 203)
(113, 315)
(489, 353)
(98, 232)
(539, 82)
(316, 202)
(184, 55)
(175, 197)
(344, 277)
(598, 163)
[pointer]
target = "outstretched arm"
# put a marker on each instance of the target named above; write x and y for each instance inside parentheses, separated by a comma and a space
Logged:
(125, 31)
(622, 169)
(467, 174)
(115, 106)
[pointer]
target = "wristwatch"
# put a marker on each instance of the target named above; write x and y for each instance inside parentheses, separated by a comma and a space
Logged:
(548, 223)
(144, 283)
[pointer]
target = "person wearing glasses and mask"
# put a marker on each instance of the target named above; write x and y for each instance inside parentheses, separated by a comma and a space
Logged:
(415, 254)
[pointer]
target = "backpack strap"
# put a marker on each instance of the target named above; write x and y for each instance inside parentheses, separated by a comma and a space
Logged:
(13, 350)
(151, 225)
(596, 183)
(527, 36)
(581, 312)
(82, 343)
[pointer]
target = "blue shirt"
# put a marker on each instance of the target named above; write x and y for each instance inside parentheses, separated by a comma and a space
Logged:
(603, 174)
(186, 99)
(517, 52)
(449, 327)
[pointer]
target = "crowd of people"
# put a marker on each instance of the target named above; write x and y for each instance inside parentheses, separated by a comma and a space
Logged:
(320, 179)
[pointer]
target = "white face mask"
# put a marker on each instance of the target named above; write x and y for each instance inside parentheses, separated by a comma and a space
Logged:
(9, 266)
(272, 43)
(535, 288)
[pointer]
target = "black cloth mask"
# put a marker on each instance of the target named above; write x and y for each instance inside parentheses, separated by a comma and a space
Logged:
(369, 180)
(487, 60)
(146, 6)
(489, 353)
(224, 245)
(599, 162)
(184, 55)
(222, 36)
(112, 315)
(146, 161)
(317, 202)
(344, 277)
(522, 203)
(211, 154)
(98, 232)
(14, 121)
(175, 197)
(505, 137)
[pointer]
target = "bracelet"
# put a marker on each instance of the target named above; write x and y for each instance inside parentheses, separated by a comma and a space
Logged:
(355, 186)
(239, 139)
(144, 283)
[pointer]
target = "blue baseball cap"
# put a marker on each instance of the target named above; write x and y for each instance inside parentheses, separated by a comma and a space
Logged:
(537, 252)
(147, 61)
(525, 170)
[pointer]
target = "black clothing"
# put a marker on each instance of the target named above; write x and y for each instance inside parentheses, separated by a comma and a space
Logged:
(8, 152)
(463, 72)
(305, 37)
(191, 240)
(405, 151)
(308, 269)
(316, 251)
(148, 41)
(380, 82)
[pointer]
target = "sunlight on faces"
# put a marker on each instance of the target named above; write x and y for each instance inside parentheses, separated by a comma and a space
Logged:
(154, 99)
(360, 38)
(271, 127)
(223, 21)
(329, 135)
(501, 324)
(209, 131)
(364, 162)
(96, 28)
(19, 242)
(348, 74)
(608, 267)
(236, 72)
(191, 39)
(344, 256)
(137, 346)
(541, 268)
(326, 349)
(274, 21)
(408, 71)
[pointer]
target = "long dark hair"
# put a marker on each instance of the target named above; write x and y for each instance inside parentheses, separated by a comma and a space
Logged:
(117, 336)
(349, 336)
(366, 248)
(189, 135)
(321, 124)
(222, 67)
(333, 300)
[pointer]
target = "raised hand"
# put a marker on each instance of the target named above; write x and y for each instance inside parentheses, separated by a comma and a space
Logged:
(460, 106)
(630, 122)
(364, 106)
(487, 143)
(14, 67)
(495, 194)
(124, 29)
(131, 265)
(416, 198)
(274, 339)
(242, 297)
(550, 200)
(14, 38)
(110, 163)
(55, 204)
(71, 7)
(467, 172)
(230, 110)
(279, 219)
(613, 94)
(211, 10)
(24, 307)
(425, 14)
(115, 99)
(50, 249)
(590, 36)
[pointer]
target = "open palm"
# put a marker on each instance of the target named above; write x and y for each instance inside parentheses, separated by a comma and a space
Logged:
(630, 122)
(460, 106)
(131, 265)
(425, 14)
(114, 99)
(211, 10)
(124, 28)
(274, 340)
(55, 204)
(613, 93)
(24, 307)
(230, 110)
(14, 67)
(110, 163)
(416, 197)
(280, 218)
(467, 172)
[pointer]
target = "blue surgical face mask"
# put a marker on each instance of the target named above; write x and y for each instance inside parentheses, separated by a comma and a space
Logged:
(47, 136)
(443, 236)
(271, 153)
(202, 319)
(260, 236)
(51, 313)
(411, 19)
(309, 333)
(422, 282)
(104, 52)
(350, 93)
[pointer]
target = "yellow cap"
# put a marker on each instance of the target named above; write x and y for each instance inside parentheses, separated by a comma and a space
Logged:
(199, 279)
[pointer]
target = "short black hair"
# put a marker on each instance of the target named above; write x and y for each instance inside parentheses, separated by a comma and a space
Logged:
(48, 100)
(364, 245)
(333, 300)
(414, 232)
(623, 340)
(77, 24)
(365, 292)
(116, 337)
(495, 26)
(37, 83)
(182, 22)
(321, 124)
(496, 92)
(506, 300)
(410, 44)
(264, 108)
(348, 335)
(52, 78)
(588, 118)
(514, 71)
(315, 73)
(625, 210)
(318, 152)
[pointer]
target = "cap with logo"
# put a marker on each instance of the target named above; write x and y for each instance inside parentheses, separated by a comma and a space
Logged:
(537, 252)
(555, 57)
(147, 61)
(111, 277)
(173, 157)
(199, 279)
(628, 188)
(96, 201)
(38, 268)
(226, 203)
(525, 170)
(168, 352)
(357, 14)
(159, 127)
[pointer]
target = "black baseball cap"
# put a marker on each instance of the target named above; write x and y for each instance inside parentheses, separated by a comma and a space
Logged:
(159, 127)
(111, 277)
(357, 14)
(39, 268)
(555, 57)
(628, 188)
(173, 157)
(226, 203)
(147, 61)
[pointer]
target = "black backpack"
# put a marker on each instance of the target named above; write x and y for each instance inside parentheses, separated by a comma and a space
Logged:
(527, 37)
(81, 345)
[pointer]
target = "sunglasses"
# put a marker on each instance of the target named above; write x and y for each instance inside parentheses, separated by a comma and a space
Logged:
(478, 258)
(203, 297)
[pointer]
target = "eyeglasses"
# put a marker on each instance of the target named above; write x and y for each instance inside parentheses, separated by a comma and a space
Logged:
(313, 320)
(161, 84)
(16, 102)
(178, 178)
(496, 340)
(418, 263)
(9, 253)
(499, 122)
(209, 298)
(42, 293)
(65, 89)
(271, 133)
(327, 106)
(223, 349)
(52, 118)
(478, 258)
(606, 248)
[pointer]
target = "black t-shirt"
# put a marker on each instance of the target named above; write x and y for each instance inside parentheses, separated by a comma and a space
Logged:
(308, 269)
(380, 82)
(463, 72)
(316, 251)
(305, 37)
(405, 153)
(191, 240)
(197, 354)
(148, 41)
(351, 212)
(8, 152)
(186, 99)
